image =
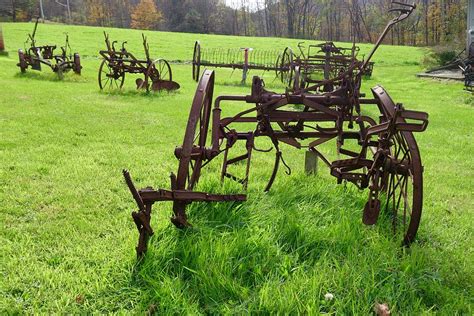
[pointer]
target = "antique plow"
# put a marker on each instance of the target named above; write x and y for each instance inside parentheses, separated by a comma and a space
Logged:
(35, 56)
(246, 59)
(387, 163)
(117, 62)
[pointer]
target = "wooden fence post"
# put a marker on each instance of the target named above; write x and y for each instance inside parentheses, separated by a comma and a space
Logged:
(311, 162)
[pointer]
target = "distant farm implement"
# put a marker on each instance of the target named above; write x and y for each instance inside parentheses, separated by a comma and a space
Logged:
(321, 61)
(245, 59)
(157, 74)
(467, 66)
(380, 150)
(459, 68)
(35, 56)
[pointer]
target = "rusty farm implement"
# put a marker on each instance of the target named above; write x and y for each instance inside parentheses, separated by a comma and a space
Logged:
(467, 67)
(117, 62)
(387, 160)
(245, 59)
(35, 56)
(321, 61)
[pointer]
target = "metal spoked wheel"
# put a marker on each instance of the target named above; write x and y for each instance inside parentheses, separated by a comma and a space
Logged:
(109, 78)
(196, 61)
(164, 70)
(22, 61)
(400, 183)
(286, 69)
(192, 153)
(160, 75)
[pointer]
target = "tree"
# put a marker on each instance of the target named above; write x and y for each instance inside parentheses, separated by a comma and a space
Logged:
(145, 15)
(96, 12)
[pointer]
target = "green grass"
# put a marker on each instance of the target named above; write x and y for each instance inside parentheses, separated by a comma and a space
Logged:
(67, 239)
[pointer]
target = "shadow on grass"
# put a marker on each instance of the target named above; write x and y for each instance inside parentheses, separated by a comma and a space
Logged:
(303, 229)
(128, 92)
(43, 76)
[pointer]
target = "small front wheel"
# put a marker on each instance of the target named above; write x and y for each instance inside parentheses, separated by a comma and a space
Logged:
(109, 77)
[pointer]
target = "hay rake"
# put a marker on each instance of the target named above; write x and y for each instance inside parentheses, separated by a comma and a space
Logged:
(388, 161)
(117, 62)
(246, 59)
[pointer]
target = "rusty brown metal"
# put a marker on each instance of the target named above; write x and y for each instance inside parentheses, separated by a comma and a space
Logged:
(323, 61)
(118, 62)
(246, 59)
(35, 56)
(387, 162)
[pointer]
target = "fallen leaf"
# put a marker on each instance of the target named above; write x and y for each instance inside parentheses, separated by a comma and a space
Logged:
(382, 309)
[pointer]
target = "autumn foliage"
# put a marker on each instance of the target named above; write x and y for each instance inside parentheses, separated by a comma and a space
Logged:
(433, 23)
(145, 15)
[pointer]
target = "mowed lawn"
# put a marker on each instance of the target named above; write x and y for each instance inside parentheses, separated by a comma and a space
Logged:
(67, 240)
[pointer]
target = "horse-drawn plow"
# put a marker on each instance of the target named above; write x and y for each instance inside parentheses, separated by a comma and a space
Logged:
(387, 161)
(118, 62)
(35, 56)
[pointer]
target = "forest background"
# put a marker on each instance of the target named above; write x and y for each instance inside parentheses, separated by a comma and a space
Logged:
(438, 22)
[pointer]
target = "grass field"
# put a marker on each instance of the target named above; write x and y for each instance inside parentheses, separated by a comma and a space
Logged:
(67, 239)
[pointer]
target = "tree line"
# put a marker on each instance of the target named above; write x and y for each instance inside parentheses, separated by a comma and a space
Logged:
(434, 22)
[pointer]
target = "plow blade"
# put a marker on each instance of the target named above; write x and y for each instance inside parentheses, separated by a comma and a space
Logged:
(164, 85)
